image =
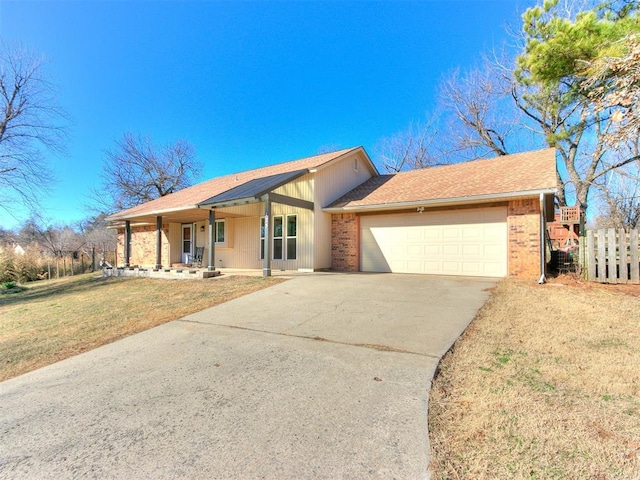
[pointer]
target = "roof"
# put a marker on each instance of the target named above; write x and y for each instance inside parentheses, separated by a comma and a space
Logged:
(501, 177)
(190, 197)
(254, 189)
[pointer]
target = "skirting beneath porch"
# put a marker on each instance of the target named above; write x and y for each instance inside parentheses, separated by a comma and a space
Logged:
(185, 273)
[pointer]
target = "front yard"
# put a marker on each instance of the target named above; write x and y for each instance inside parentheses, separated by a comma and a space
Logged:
(51, 320)
(544, 384)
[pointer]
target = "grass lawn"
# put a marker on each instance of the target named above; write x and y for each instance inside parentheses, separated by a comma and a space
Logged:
(51, 320)
(544, 384)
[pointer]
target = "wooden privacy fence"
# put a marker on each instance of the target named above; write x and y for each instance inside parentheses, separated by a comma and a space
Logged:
(612, 256)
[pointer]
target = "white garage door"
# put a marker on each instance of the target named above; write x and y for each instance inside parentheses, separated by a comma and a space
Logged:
(457, 242)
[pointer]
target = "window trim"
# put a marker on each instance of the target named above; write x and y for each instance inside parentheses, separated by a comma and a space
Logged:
(284, 238)
(223, 243)
(287, 237)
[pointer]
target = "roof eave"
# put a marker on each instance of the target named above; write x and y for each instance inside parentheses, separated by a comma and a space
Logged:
(442, 202)
(116, 218)
(360, 149)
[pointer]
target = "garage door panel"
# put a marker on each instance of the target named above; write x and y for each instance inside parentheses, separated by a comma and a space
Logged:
(471, 250)
(472, 268)
(461, 242)
(451, 250)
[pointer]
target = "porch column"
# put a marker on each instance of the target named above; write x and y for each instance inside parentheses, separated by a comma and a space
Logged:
(268, 235)
(158, 242)
(127, 242)
(212, 241)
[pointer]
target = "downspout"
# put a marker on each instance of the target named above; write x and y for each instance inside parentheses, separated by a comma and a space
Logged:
(543, 249)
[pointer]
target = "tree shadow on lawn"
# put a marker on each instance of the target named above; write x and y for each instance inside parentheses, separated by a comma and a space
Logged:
(41, 291)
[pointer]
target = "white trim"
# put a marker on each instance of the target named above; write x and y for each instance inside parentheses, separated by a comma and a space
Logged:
(184, 256)
(225, 242)
(440, 201)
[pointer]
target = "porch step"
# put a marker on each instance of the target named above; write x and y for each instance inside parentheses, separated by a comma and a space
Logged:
(167, 273)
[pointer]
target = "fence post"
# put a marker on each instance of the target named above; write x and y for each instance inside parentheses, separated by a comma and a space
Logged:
(590, 256)
(635, 261)
(611, 256)
(622, 248)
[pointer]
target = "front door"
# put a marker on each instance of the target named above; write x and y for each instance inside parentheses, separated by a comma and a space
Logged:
(187, 243)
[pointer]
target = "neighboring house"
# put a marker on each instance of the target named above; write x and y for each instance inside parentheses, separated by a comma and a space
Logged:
(335, 211)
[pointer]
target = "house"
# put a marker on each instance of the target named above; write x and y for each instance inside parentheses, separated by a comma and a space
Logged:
(335, 211)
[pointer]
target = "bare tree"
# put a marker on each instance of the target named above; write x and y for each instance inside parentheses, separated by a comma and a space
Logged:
(475, 99)
(99, 240)
(137, 171)
(30, 123)
(410, 149)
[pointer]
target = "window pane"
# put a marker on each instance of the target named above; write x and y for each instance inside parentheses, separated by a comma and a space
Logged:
(277, 227)
(186, 246)
(262, 238)
(220, 232)
(277, 249)
(291, 248)
(292, 223)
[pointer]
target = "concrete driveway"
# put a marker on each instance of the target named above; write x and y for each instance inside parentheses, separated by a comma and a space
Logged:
(322, 376)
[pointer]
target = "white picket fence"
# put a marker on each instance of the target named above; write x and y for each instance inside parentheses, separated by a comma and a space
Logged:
(612, 256)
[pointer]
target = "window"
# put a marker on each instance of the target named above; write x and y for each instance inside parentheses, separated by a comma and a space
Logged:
(277, 238)
(292, 237)
(285, 237)
(262, 236)
(219, 231)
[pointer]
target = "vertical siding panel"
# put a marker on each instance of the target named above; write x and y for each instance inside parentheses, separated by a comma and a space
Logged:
(330, 184)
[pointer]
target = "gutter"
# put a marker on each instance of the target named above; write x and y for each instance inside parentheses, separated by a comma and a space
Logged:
(115, 218)
(440, 201)
(543, 252)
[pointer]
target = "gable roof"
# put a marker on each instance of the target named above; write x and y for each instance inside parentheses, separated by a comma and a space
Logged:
(255, 188)
(190, 197)
(528, 173)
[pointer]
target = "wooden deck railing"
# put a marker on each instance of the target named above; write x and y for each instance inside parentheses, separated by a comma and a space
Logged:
(569, 215)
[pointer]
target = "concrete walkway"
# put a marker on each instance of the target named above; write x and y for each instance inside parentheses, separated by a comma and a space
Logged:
(322, 376)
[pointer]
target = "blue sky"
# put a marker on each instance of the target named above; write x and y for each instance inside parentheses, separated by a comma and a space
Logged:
(247, 83)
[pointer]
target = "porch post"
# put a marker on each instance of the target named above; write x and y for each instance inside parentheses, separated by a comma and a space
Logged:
(158, 242)
(211, 251)
(268, 235)
(127, 242)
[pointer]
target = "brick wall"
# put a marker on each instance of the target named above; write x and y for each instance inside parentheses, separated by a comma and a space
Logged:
(143, 246)
(523, 224)
(345, 242)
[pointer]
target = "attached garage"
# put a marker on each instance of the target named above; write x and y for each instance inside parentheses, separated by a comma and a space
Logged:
(483, 218)
(469, 242)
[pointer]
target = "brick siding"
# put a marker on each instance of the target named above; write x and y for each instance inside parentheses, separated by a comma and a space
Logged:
(143, 246)
(523, 224)
(345, 242)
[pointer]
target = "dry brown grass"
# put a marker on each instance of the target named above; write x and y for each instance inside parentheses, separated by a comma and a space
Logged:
(56, 319)
(544, 384)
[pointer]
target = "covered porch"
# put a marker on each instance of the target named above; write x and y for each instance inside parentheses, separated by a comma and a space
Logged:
(238, 228)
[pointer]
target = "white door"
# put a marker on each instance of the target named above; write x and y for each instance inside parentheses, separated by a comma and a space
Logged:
(187, 243)
(469, 242)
